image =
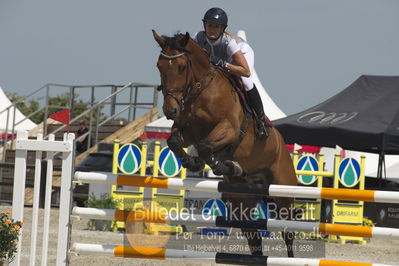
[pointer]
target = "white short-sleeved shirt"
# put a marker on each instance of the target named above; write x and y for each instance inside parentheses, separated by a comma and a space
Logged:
(224, 47)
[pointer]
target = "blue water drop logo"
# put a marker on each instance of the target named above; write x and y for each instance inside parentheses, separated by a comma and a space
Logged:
(129, 159)
(349, 172)
(307, 163)
(214, 207)
(169, 164)
(260, 211)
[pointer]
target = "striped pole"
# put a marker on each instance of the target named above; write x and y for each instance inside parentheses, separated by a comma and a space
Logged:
(225, 258)
(253, 189)
(221, 221)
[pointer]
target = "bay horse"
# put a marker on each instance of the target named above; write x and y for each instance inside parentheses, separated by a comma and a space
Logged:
(207, 113)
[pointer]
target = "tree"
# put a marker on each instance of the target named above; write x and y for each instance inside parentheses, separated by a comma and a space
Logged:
(55, 104)
(60, 102)
(27, 107)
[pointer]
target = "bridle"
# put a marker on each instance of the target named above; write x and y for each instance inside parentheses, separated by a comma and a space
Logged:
(200, 86)
(187, 89)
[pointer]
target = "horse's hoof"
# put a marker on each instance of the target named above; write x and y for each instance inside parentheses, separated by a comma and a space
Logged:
(194, 164)
(220, 168)
(187, 161)
(229, 168)
(237, 170)
(197, 164)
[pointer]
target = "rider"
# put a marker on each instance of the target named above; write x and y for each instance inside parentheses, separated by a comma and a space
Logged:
(233, 54)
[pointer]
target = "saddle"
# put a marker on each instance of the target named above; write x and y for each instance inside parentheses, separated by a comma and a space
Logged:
(238, 87)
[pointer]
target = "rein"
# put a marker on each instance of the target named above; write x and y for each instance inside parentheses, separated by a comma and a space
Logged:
(199, 86)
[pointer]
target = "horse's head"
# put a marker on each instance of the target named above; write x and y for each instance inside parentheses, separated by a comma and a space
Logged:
(175, 67)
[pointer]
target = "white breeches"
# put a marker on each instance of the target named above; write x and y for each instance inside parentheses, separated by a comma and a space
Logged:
(250, 57)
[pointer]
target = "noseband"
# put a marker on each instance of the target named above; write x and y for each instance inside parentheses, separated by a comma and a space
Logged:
(186, 87)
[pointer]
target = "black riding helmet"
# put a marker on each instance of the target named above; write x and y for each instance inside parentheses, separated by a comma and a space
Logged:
(216, 15)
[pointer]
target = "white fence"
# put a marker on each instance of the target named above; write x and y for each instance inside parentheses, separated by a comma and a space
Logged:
(50, 147)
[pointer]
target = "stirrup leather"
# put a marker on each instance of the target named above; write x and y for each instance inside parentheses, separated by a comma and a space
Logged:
(262, 130)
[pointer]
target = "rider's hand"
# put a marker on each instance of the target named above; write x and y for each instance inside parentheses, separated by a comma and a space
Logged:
(217, 61)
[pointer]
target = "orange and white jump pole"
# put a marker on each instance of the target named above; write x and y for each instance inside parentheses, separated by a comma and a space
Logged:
(253, 189)
(215, 257)
(221, 221)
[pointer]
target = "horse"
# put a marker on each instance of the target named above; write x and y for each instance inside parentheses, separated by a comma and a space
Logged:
(207, 113)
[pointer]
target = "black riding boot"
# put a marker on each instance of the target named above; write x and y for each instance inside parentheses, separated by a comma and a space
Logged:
(256, 103)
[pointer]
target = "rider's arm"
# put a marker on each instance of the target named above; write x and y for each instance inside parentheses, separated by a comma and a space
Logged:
(240, 66)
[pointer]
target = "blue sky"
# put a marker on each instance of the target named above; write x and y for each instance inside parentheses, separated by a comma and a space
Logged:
(305, 50)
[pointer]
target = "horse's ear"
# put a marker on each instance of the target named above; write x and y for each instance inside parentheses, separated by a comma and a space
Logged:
(185, 39)
(161, 41)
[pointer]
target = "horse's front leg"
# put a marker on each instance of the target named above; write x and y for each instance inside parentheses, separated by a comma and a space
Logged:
(220, 137)
(175, 143)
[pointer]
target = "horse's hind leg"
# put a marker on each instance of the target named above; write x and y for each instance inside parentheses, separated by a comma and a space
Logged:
(285, 206)
(284, 174)
(241, 208)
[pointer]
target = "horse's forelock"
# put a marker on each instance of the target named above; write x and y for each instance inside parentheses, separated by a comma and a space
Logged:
(174, 42)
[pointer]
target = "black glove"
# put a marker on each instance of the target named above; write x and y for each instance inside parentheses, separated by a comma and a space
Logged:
(217, 61)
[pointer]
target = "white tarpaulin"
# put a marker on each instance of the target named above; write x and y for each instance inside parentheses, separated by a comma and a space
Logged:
(24, 125)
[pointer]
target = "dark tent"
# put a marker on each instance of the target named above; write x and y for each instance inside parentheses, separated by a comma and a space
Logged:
(363, 117)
